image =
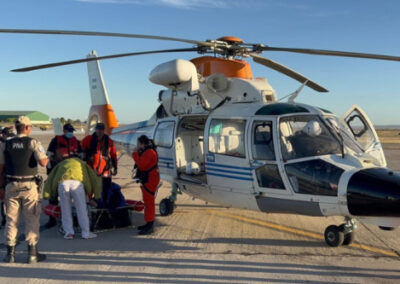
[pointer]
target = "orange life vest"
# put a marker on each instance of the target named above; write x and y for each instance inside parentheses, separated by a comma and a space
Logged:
(100, 155)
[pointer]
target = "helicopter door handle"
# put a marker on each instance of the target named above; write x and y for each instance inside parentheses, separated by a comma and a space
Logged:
(256, 164)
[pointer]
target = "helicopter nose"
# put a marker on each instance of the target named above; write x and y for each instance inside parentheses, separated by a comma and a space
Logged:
(374, 192)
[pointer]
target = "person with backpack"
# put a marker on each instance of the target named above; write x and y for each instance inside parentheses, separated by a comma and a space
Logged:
(101, 155)
(146, 163)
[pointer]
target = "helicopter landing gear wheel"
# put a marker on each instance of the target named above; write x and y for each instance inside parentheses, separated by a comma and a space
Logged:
(341, 235)
(166, 207)
(334, 236)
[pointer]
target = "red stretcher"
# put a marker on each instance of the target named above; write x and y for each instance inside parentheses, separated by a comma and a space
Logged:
(55, 211)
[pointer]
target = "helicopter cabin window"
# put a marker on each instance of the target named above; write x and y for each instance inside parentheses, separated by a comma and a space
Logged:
(226, 137)
(306, 136)
(263, 146)
(315, 177)
(164, 135)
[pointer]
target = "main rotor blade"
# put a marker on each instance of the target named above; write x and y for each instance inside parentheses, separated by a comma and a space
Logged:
(333, 53)
(91, 33)
(50, 65)
(287, 71)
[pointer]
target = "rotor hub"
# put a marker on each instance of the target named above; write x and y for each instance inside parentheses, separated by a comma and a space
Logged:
(230, 39)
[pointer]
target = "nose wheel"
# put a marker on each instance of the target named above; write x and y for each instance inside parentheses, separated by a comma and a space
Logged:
(166, 207)
(340, 235)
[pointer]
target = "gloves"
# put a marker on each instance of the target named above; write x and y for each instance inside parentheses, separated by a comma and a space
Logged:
(114, 172)
(93, 203)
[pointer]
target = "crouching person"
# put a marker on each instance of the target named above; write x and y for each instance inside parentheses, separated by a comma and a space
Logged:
(73, 179)
(146, 161)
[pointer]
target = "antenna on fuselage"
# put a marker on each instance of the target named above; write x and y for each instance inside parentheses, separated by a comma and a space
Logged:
(294, 95)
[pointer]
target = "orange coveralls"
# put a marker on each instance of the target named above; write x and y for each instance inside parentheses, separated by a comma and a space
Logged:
(146, 161)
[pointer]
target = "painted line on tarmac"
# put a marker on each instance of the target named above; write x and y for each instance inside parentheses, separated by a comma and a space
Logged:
(300, 232)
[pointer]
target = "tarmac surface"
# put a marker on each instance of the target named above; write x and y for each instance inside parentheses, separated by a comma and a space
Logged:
(206, 243)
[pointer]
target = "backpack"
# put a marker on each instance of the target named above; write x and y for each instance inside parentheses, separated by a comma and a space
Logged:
(112, 198)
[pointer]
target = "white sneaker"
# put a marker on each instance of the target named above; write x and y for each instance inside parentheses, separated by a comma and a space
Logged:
(69, 236)
(90, 236)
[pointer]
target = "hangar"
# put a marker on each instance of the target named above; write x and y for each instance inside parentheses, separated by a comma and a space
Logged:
(36, 117)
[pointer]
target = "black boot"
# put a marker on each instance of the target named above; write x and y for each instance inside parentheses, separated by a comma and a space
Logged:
(142, 227)
(33, 255)
(10, 256)
(148, 229)
(51, 223)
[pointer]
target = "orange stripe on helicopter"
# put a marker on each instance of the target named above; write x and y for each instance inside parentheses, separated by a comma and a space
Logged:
(105, 114)
(233, 68)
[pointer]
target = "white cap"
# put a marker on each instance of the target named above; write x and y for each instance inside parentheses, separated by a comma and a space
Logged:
(23, 120)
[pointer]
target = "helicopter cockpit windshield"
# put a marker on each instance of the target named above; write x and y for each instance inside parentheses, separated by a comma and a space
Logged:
(306, 136)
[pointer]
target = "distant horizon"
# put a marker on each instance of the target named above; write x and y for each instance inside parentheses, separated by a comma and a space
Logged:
(83, 120)
(390, 127)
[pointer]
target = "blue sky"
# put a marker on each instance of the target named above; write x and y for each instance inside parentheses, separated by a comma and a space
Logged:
(363, 26)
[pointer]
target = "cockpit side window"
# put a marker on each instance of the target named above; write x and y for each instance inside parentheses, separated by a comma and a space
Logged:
(263, 146)
(306, 136)
(315, 177)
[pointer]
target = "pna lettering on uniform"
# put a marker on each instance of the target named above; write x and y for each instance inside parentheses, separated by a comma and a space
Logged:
(18, 145)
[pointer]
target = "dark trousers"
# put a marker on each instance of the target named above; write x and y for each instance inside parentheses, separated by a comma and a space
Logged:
(106, 184)
(3, 215)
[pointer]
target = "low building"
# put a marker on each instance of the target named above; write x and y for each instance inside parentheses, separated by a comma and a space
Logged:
(36, 117)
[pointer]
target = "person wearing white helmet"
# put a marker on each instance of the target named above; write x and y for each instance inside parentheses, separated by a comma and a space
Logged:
(314, 140)
(312, 128)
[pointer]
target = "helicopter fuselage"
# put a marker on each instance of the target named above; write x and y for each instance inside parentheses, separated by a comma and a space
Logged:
(259, 157)
(228, 141)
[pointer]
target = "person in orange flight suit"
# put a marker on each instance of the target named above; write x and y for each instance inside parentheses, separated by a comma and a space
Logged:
(101, 155)
(146, 162)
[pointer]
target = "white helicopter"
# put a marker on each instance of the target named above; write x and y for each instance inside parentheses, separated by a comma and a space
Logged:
(223, 137)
